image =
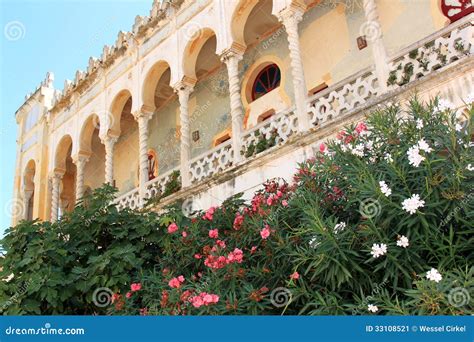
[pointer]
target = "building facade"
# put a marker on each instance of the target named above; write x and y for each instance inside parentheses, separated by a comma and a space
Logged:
(229, 94)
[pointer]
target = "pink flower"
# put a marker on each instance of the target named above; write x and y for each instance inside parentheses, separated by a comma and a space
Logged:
(270, 200)
(265, 232)
(176, 282)
(184, 234)
(172, 228)
(221, 243)
(128, 295)
(239, 219)
(197, 256)
(295, 276)
(361, 127)
(284, 203)
(236, 256)
(322, 147)
(136, 287)
(205, 299)
(253, 249)
(209, 215)
(213, 233)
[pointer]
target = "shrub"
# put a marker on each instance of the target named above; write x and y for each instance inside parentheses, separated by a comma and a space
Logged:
(380, 221)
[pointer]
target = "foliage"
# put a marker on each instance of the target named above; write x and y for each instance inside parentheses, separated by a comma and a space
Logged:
(334, 241)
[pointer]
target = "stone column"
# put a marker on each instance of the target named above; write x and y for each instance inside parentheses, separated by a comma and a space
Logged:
(184, 90)
(143, 118)
(109, 142)
(80, 161)
(56, 180)
(231, 59)
(290, 18)
(373, 33)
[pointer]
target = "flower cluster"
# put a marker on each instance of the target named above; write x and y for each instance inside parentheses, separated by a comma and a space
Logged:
(204, 298)
(378, 250)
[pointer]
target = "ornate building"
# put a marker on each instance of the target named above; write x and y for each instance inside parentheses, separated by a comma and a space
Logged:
(230, 93)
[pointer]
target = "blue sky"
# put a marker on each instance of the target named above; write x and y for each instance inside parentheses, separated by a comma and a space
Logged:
(57, 36)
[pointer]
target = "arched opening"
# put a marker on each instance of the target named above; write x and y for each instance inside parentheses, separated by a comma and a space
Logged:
(266, 83)
(253, 21)
(65, 165)
(126, 150)
(164, 124)
(29, 189)
(90, 144)
(209, 102)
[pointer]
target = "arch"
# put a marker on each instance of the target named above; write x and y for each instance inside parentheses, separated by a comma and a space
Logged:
(152, 78)
(91, 124)
(192, 50)
(243, 12)
(267, 80)
(63, 149)
(116, 109)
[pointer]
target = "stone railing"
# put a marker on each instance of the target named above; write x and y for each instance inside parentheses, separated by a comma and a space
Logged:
(213, 161)
(432, 53)
(156, 187)
(130, 199)
(343, 97)
(269, 133)
(436, 51)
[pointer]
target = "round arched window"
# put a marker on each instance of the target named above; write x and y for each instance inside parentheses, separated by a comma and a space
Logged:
(266, 80)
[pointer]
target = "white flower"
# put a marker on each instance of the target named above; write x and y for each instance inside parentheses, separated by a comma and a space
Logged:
(423, 145)
(412, 204)
(419, 124)
(372, 308)
(378, 250)
(470, 167)
(434, 275)
(388, 158)
(358, 150)
(339, 227)
(444, 105)
(458, 127)
(469, 98)
(403, 241)
(313, 243)
(369, 145)
(385, 189)
(414, 156)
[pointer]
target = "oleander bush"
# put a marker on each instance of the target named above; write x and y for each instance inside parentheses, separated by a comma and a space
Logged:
(380, 221)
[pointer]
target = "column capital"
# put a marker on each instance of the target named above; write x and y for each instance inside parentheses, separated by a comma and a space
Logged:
(292, 13)
(108, 139)
(235, 51)
(186, 85)
(58, 173)
(145, 112)
(81, 157)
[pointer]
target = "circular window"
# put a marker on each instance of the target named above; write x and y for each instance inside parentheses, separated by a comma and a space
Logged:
(266, 80)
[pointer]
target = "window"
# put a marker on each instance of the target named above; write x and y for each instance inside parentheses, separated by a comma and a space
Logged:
(266, 80)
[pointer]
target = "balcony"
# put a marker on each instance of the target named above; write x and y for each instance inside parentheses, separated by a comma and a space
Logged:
(426, 58)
